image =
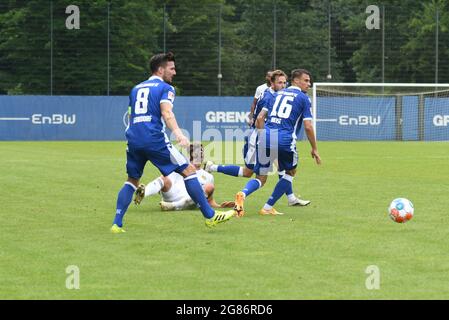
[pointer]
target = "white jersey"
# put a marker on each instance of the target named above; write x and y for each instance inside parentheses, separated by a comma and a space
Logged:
(178, 189)
(204, 177)
(260, 91)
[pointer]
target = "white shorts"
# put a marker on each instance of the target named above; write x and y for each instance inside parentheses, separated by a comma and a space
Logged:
(178, 189)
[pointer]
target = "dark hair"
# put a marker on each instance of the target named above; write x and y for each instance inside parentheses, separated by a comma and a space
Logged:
(277, 73)
(160, 60)
(268, 77)
(297, 73)
(195, 148)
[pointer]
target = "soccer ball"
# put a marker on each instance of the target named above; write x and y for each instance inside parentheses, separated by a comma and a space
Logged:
(401, 210)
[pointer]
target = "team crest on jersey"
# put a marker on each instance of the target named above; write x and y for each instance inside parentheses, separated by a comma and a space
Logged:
(171, 96)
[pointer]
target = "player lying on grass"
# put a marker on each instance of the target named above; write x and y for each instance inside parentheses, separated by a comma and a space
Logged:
(278, 81)
(172, 188)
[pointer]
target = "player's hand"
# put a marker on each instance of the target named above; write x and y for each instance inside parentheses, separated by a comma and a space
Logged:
(316, 156)
(183, 141)
(250, 120)
(227, 204)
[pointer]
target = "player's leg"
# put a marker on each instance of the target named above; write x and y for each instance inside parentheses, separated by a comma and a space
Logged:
(287, 161)
(174, 200)
(152, 188)
(289, 192)
(230, 170)
(196, 193)
(169, 159)
(262, 166)
(293, 200)
(174, 194)
(182, 204)
(249, 156)
(254, 184)
(250, 187)
(135, 163)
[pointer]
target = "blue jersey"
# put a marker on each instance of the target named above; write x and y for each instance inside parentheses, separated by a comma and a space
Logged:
(263, 103)
(145, 123)
(289, 108)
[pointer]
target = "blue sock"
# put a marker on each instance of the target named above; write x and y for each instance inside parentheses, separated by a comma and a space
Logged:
(123, 200)
(229, 170)
(281, 187)
(290, 188)
(197, 194)
(252, 186)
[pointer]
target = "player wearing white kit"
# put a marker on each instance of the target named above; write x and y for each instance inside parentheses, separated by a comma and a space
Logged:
(260, 90)
(172, 187)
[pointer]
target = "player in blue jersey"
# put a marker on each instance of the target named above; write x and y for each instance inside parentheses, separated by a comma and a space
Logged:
(284, 117)
(278, 80)
(151, 104)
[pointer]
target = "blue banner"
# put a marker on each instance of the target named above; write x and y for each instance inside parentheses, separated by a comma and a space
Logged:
(62, 118)
(378, 118)
(355, 118)
(436, 119)
(217, 118)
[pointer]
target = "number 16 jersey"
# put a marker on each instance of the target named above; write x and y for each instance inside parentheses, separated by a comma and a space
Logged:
(288, 109)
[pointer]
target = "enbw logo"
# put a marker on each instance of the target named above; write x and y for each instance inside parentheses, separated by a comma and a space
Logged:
(359, 121)
(53, 119)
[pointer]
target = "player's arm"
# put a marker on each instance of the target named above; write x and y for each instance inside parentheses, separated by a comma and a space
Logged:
(260, 121)
(308, 127)
(172, 124)
(209, 193)
(225, 204)
(251, 112)
(310, 132)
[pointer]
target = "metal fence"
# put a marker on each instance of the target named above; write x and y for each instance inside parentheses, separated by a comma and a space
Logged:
(222, 48)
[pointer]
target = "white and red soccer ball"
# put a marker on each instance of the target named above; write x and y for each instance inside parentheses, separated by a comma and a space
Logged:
(401, 210)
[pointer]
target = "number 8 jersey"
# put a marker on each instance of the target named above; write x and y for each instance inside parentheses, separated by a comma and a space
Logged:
(288, 109)
(146, 126)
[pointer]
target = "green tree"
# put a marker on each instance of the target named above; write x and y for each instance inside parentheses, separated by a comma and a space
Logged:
(410, 28)
(24, 47)
(136, 35)
(419, 52)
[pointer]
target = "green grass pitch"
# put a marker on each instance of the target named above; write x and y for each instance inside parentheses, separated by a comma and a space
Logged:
(58, 199)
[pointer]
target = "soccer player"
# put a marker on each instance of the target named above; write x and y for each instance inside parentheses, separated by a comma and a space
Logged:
(151, 104)
(290, 108)
(173, 191)
(260, 90)
(278, 81)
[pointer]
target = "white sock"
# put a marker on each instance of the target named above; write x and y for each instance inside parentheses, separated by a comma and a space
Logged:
(267, 206)
(291, 197)
(154, 187)
(241, 172)
(214, 167)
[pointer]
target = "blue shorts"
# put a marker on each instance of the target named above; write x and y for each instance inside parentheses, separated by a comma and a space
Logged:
(250, 150)
(165, 157)
(286, 156)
